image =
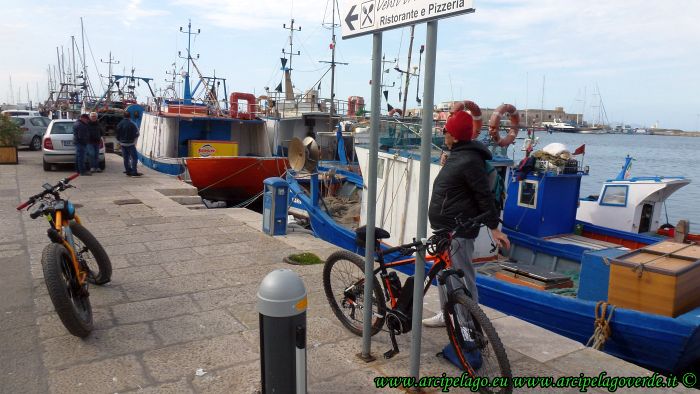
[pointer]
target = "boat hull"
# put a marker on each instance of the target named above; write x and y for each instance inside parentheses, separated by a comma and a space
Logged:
(233, 179)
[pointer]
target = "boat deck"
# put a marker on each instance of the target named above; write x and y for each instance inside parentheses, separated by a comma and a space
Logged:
(584, 242)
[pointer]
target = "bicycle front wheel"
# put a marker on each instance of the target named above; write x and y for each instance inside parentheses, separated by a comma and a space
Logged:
(475, 341)
(344, 284)
(91, 252)
(71, 302)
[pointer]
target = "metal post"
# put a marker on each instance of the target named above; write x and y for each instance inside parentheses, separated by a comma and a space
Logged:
(282, 308)
(372, 193)
(423, 186)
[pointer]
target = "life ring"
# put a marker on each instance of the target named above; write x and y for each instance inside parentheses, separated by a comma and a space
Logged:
(252, 105)
(475, 112)
(495, 124)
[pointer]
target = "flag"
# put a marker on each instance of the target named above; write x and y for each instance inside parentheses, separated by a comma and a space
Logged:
(581, 149)
(278, 89)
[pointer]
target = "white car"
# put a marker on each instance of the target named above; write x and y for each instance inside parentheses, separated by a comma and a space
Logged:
(58, 144)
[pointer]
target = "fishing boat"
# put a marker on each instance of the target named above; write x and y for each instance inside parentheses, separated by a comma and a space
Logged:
(562, 274)
(223, 151)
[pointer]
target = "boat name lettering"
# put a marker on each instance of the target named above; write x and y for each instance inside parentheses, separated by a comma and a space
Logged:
(206, 150)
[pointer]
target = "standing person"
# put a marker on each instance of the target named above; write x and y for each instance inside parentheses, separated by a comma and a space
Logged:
(94, 139)
(462, 190)
(127, 133)
(80, 140)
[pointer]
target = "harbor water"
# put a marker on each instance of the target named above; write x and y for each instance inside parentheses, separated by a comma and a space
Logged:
(654, 156)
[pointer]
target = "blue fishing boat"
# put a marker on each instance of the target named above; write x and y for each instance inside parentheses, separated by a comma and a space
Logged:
(562, 274)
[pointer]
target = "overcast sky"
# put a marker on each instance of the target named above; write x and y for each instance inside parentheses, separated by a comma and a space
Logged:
(642, 56)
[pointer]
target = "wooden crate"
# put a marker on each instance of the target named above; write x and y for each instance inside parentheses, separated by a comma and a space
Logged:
(669, 283)
(8, 155)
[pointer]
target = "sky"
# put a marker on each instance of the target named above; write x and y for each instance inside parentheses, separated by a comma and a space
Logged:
(640, 59)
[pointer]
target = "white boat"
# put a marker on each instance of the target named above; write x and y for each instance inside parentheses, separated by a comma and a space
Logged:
(558, 125)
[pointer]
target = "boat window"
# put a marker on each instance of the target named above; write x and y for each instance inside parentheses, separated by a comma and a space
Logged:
(527, 194)
(614, 195)
(380, 168)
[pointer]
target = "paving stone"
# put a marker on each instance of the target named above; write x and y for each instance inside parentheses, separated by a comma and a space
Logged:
(147, 272)
(179, 387)
(196, 326)
(227, 296)
(240, 379)
(172, 362)
(533, 341)
(69, 350)
(116, 250)
(160, 257)
(106, 376)
(50, 325)
(153, 309)
(168, 287)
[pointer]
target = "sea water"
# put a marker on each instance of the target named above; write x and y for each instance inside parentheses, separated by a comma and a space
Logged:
(654, 155)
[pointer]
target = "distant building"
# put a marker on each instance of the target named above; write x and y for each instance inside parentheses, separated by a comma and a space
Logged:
(534, 116)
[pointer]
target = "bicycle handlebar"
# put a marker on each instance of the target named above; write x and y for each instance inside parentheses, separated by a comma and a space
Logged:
(60, 185)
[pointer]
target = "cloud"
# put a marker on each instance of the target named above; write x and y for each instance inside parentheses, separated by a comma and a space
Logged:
(135, 12)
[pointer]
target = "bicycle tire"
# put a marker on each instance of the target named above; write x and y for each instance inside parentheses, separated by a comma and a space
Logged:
(354, 322)
(73, 308)
(92, 251)
(461, 313)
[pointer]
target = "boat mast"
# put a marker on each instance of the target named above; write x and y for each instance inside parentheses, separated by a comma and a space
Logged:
(111, 61)
(188, 93)
(288, 87)
(408, 71)
(542, 104)
(333, 63)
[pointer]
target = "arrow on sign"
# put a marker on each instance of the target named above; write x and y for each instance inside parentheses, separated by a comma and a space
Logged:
(351, 17)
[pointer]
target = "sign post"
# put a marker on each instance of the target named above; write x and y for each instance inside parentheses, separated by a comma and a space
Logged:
(363, 17)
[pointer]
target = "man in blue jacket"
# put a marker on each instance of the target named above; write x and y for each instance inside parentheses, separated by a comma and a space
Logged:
(80, 140)
(127, 133)
(461, 190)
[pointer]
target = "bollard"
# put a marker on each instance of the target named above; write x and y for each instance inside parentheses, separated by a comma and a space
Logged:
(282, 309)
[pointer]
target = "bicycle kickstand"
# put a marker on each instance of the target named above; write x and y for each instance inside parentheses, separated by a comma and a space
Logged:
(391, 353)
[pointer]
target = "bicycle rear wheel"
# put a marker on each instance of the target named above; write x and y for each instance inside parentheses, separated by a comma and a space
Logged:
(344, 284)
(71, 302)
(92, 253)
(475, 341)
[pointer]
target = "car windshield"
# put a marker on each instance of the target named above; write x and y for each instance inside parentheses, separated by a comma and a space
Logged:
(18, 121)
(62, 128)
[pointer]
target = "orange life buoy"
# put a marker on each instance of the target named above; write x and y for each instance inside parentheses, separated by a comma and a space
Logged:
(252, 105)
(475, 112)
(355, 103)
(495, 124)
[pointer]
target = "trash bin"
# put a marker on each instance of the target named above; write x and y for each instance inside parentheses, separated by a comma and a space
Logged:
(275, 206)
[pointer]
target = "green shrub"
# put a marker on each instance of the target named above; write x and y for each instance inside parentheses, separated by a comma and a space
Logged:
(305, 258)
(10, 133)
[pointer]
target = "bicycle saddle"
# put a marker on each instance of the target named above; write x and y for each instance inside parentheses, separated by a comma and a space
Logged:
(361, 235)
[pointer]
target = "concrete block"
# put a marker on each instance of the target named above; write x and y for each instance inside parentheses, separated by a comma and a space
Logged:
(239, 379)
(196, 326)
(533, 341)
(179, 387)
(180, 360)
(106, 376)
(153, 309)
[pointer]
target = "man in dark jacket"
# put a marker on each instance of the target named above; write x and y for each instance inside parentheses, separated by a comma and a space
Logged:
(94, 139)
(461, 191)
(80, 140)
(127, 133)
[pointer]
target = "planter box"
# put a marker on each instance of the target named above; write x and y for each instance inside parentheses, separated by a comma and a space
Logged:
(8, 155)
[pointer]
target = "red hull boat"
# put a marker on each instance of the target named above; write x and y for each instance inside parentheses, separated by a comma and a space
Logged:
(233, 179)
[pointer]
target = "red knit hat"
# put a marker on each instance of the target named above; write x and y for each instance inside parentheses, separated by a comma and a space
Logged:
(460, 126)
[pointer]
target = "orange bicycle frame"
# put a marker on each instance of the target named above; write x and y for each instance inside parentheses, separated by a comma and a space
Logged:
(59, 223)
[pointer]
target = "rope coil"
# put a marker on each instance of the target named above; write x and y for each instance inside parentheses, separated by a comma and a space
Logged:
(602, 330)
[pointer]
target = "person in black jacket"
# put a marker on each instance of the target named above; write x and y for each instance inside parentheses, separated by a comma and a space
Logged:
(127, 133)
(80, 140)
(94, 139)
(461, 191)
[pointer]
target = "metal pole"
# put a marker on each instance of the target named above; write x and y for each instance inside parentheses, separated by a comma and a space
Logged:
(372, 194)
(423, 185)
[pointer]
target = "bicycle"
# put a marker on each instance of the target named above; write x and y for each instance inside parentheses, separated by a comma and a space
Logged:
(469, 330)
(72, 259)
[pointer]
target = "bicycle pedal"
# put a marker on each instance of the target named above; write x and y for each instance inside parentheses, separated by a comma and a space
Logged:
(390, 353)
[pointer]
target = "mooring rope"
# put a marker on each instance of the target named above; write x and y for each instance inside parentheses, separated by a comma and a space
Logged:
(602, 330)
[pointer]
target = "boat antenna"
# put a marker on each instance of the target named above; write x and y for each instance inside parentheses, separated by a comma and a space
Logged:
(289, 88)
(111, 61)
(332, 27)
(187, 93)
(408, 71)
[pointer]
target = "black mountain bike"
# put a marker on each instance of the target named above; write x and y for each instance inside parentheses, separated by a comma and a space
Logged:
(471, 334)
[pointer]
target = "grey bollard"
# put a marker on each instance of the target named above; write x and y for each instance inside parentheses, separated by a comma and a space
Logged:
(282, 308)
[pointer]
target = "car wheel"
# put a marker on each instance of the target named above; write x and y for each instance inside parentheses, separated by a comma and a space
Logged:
(47, 166)
(35, 144)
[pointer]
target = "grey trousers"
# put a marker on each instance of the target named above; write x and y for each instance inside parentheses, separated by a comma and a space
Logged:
(461, 252)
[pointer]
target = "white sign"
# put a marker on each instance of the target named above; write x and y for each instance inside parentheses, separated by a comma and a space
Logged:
(371, 16)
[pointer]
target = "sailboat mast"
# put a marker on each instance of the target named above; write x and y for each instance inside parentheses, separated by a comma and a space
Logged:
(84, 59)
(408, 71)
(542, 104)
(333, 60)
